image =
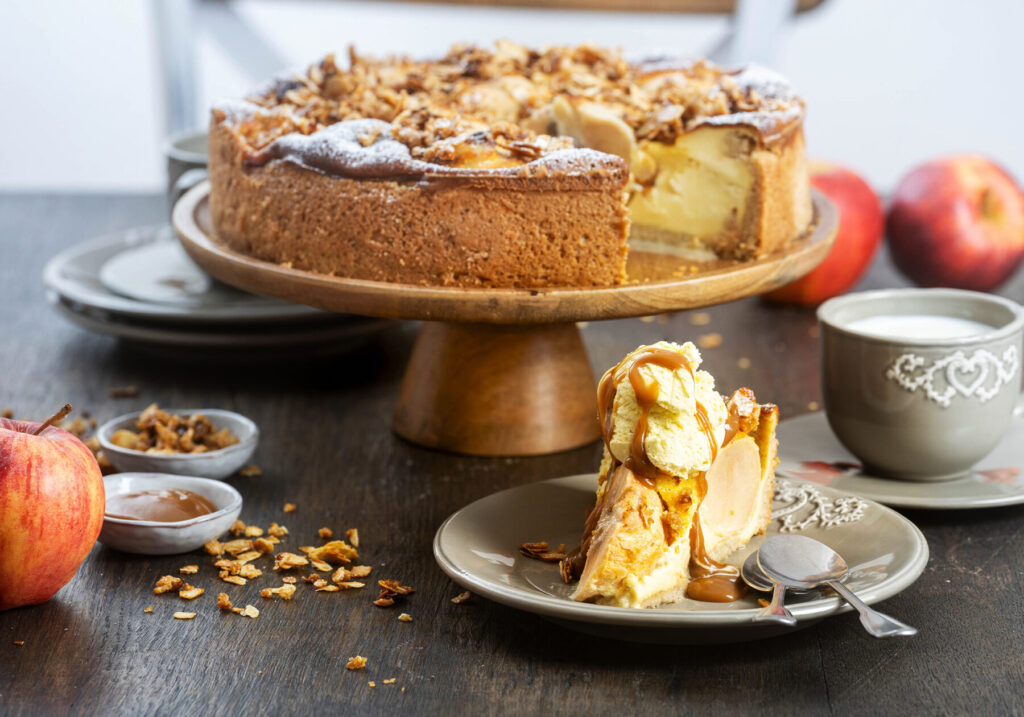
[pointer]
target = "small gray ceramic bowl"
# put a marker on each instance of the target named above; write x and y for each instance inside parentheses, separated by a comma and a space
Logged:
(217, 464)
(154, 538)
(920, 408)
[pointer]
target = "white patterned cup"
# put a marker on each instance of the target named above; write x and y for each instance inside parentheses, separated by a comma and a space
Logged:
(918, 407)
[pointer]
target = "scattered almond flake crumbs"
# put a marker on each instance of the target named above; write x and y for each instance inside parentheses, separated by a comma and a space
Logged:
(250, 571)
(372, 683)
(352, 536)
(250, 611)
(223, 601)
(462, 597)
(236, 610)
(709, 341)
(356, 663)
(405, 617)
(285, 591)
(190, 592)
(744, 362)
(252, 471)
(167, 583)
(389, 590)
(183, 615)
(289, 579)
(289, 507)
(812, 406)
(188, 569)
(325, 533)
(540, 551)
(701, 318)
(390, 682)
(148, 609)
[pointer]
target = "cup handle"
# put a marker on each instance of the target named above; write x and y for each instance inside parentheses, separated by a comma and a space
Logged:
(185, 182)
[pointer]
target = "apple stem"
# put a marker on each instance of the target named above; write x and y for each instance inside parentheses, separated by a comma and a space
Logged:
(58, 416)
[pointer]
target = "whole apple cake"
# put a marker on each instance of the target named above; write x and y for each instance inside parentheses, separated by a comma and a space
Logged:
(507, 167)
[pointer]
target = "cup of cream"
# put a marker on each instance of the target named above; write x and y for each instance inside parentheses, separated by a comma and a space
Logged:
(920, 384)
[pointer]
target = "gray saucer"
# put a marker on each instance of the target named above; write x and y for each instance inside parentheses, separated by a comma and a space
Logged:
(810, 451)
(478, 548)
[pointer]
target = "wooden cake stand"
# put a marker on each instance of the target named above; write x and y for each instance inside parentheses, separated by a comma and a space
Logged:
(504, 371)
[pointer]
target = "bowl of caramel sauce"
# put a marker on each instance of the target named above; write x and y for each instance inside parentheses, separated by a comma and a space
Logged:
(164, 513)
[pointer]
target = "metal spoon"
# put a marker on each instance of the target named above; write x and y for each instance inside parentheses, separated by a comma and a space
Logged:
(802, 562)
(754, 577)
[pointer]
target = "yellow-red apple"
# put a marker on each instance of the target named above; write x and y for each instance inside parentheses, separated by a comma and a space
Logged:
(51, 510)
(860, 230)
(958, 222)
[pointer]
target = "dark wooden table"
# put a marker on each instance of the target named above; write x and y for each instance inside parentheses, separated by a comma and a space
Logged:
(327, 447)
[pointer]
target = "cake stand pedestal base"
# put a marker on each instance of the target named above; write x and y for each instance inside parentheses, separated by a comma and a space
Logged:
(498, 390)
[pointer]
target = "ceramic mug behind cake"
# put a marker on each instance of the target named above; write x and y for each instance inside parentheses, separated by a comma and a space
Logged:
(920, 384)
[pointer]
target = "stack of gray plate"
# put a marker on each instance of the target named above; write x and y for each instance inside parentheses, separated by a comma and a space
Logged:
(140, 286)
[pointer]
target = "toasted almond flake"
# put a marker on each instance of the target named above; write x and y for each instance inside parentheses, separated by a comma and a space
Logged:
(266, 592)
(248, 555)
(214, 547)
(183, 615)
(236, 610)
(188, 569)
(462, 597)
(328, 589)
(709, 341)
(336, 551)
(395, 587)
(250, 611)
(287, 561)
(360, 571)
(390, 682)
(149, 608)
(233, 579)
(277, 531)
(306, 549)
(250, 471)
(190, 592)
(166, 584)
(384, 602)
(223, 601)
(253, 531)
(320, 565)
(352, 536)
(405, 617)
(237, 528)
(285, 591)
(263, 546)
(289, 579)
(250, 571)
(234, 547)
(319, 583)
(289, 507)
(325, 533)
(351, 585)
(356, 663)
(372, 683)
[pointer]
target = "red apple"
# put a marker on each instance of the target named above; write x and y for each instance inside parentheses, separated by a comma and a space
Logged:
(51, 510)
(957, 222)
(860, 230)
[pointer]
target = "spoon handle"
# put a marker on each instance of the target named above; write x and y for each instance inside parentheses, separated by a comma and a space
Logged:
(876, 623)
(776, 612)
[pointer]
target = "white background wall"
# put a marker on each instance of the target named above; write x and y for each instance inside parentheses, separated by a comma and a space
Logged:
(889, 83)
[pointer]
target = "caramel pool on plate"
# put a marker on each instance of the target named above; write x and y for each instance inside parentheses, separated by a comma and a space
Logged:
(168, 505)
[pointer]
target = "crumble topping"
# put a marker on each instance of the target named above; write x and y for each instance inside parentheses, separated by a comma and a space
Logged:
(496, 108)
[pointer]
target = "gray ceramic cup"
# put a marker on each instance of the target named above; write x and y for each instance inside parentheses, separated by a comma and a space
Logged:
(920, 409)
(186, 155)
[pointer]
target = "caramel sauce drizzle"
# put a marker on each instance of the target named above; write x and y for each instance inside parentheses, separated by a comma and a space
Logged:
(710, 581)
